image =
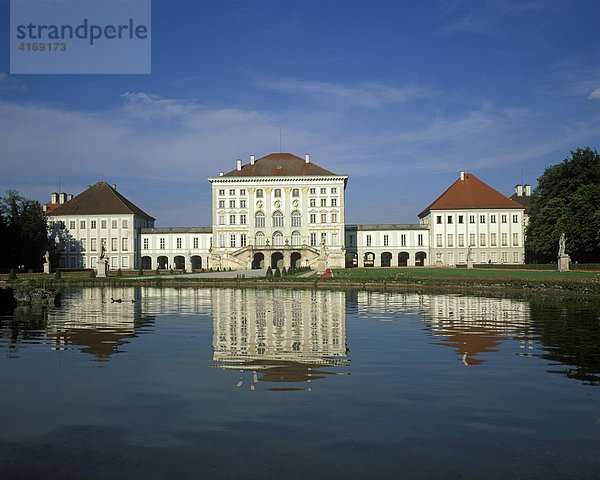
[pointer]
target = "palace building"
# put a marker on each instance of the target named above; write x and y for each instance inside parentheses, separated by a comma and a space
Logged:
(282, 210)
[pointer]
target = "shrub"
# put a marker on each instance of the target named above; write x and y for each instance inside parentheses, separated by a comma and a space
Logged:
(92, 273)
(157, 271)
(57, 275)
(283, 271)
(141, 272)
(277, 272)
(119, 273)
(269, 272)
(12, 275)
(172, 272)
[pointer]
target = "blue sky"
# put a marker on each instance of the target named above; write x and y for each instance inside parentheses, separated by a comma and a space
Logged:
(398, 95)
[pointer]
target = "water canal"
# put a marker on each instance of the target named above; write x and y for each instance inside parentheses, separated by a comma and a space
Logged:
(244, 383)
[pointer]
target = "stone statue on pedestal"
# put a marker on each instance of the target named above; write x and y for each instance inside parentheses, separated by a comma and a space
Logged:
(47, 268)
(564, 260)
(470, 258)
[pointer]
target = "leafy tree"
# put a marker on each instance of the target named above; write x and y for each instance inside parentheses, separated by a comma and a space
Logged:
(567, 200)
(23, 234)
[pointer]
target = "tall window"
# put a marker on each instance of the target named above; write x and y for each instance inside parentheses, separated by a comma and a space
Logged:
(82, 245)
(515, 219)
(323, 238)
(438, 240)
(420, 239)
(277, 239)
(295, 192)
(334, 218)
(313, 239)
(82, 224)
(461, 219)
(505, 239)
(259, 193)
(242, 219)
(221, 203)
(312, 191)
(259, 219)
(243, 240)
(277, 192)
(195, 242)
(471, 218)
(125, 244)
(232, 192)
(313, 202)
(450, 240)
(368, 240)
(278, 219)
(146, 244)
(482, 239)
(403, 240)
(493, 241)
(72, 224)
(178, 242)
(222, 191)
(93, 244)
(92, 223)
(124, 224)
(242, 203)
(333, 190)
(313, 218)
(231, 203)
(323, 202)
(103, 224)
(113, 244)
(515, 239)
(323, 218)
(231, 219)
(503, 218)
(113, 224)
(471, 239)
(334, 238)
(323, 191)
(481, 218)
(449, 219)
(259, 239)
(386, 240)
(296, 219)
(162, 244)
(492, 218)
(232, 240)
(438, 219)
(461, 239)
(296, 238)
(222, 240)
(334, 202)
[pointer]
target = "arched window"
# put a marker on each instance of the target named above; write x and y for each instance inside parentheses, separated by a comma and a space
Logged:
(259, 193)
(296, 219)
(277, 239)
(296, 238)
(278, 219)
(259, 238)
(259, 220)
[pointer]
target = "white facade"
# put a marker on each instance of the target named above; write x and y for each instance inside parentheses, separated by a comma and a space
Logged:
(179, 248)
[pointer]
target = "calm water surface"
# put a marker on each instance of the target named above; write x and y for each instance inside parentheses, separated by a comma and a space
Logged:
(243, 383)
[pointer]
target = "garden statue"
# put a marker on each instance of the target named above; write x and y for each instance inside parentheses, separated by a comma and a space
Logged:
(561, 245)
(563, 259)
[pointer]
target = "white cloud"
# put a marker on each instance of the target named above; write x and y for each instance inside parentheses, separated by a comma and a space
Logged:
(8, 82)
(595, 95)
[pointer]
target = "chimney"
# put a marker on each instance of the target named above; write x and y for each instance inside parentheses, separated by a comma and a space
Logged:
(44, 208)
(54, 197)
(519, 190)
(239, 164)
(462, 175)
(62, 197)
(69, 196)
(306, 158)
(114, 186)
(220, 174)
(251, 159)
(527, 190)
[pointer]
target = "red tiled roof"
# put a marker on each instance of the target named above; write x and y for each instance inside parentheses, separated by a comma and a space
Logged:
(470, 193)
(50, 207)
(99, 199)
(279, 164)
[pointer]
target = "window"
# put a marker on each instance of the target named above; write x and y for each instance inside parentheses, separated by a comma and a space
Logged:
(93, 244)
(221, 219)
(471, 239)
(312, 191)
(103, 224)
(243, 240)
(516, 257)
(278, 219)
(450, 240)
(232, 240)
(515, 239)
(503, 218)
(296, 238)
(323, 238)
(82, 224)
(438, 240)
(493, 242)
(313, 239)
(277, 192)
(334, 202)
(114, 262)
(113, 244)
(323, 202)
(461, 239)
(195, 242)
(242, 219)
(178, 242)
(461, 257)
(82, 245)
(231, 219)
(259, 219)
(515, 219)
(277, 239)
(323, 218)
(296, 219)
(162, 244)
(492, 218)
(93, 262)
(222, 240)
(482, 257)
(231, 203)
(504, 257)
(461, 219)
(386, 240)
(103, 242)
(420, 239)
(368, 240)
(449, 219)
(323, 191)
(333, 190)
(125, 262)
(350, 240)
(113, 224)
(494, 257)
(313, 202)
(471, 218)
(260, 239)
(438, 220)
(93, 224)
(334, 218)
(313, 218)
(259, 193)
(505, 239)
(125, 244)
(221, 203)
(242, 203)
(482, 239)
(243, 191)
(221, 192)
(145, 244)
(403, 240)
(72, 224)
(481, 218)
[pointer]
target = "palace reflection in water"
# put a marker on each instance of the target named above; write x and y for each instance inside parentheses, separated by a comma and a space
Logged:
(279, 336)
